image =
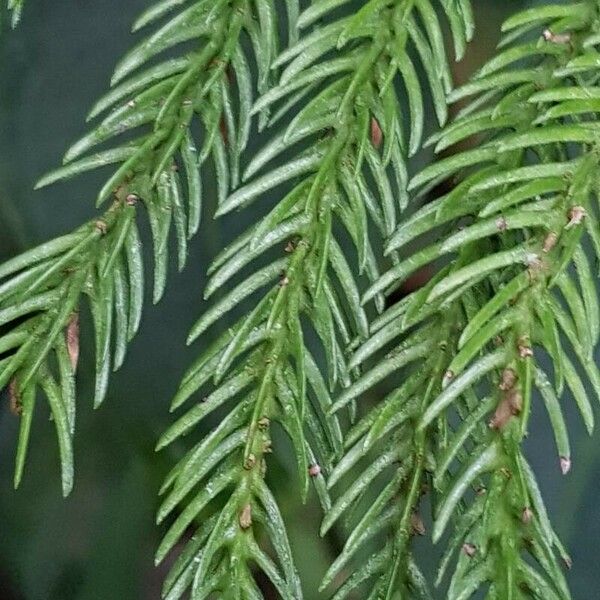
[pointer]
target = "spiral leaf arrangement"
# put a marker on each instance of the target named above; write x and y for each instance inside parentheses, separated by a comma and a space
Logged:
(513, 290)
(347, 133)
(342, 105)
(158, 167)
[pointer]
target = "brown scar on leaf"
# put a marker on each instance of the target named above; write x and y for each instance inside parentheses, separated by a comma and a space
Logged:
(376, 133)
(16, 407)
(246, 517)
(72, 339)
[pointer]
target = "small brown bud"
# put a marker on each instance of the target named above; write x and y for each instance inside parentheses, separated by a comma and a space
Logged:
(131, 104)
(576, 216)
(448, 377)
(527, 515)
(246, 517)
(568, 561)
(516, 402)
(501, 224)
(509, 378)
(132, 199)
(469, 549)
(284, 280)
(250, 462)
(510, 406)
(376, 133)
(72, 340)
(565, 464)
(524, 347)
(263, 423)
(550, 242)
(500, 418)
(101, 226)
(314, 470)
(267, 447)
(556, 38)
(525, 351)
(290, 247)
(16, 408)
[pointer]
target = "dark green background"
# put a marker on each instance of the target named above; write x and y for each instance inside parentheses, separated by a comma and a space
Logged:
(99, 543)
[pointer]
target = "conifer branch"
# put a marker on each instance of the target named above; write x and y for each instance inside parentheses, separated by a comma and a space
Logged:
(525, 201)
(508, 242)
(350, 131)
(102, 259)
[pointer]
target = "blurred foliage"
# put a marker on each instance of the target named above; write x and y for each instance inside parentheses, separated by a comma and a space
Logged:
(100, 542)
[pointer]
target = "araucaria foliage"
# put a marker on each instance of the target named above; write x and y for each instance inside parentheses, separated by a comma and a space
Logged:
(509, 316)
